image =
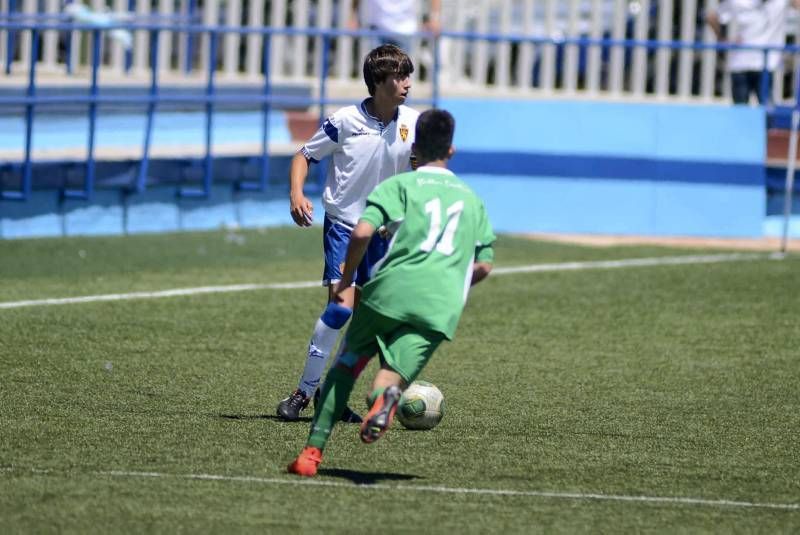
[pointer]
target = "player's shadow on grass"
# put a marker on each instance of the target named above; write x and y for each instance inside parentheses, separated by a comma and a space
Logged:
(365, 478)
(302, 419)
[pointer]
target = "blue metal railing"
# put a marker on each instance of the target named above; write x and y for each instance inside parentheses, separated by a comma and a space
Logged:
(93, 98)
(267, 99)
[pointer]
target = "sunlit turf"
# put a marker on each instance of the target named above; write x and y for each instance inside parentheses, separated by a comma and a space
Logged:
(673, 381)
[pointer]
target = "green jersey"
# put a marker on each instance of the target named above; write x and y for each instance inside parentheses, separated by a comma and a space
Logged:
(439, 228)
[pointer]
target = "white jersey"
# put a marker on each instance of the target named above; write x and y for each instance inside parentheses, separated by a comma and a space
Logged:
(754, 22)
(364, 151)
(393, 15)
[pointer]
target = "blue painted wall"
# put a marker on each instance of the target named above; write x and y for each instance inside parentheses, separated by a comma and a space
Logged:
(541, 166)
(117, 130)
(612, 168)
(156, 210)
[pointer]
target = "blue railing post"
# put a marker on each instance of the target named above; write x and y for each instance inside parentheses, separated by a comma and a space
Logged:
(88, 183)
(208, 159)
(141, 180)
(208, 164)
(97, 41)
(323, 79)
(763, 87)
(265, 110)
(791, 164)
(435, 73)
(187, 61)
(263, 181)
(27, 172)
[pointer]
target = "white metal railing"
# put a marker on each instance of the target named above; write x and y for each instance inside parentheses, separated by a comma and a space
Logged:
(468, 65)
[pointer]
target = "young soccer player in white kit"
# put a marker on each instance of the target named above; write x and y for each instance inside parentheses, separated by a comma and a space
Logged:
(368, 143)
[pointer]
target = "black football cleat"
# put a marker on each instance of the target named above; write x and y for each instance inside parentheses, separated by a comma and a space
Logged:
(289, 409)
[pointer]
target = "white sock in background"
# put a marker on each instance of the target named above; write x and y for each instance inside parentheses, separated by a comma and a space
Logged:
(319, 349)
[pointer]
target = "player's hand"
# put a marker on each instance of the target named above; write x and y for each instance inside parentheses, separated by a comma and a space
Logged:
(434, 26)
(352, 22)
(301, 210)
(338, 291)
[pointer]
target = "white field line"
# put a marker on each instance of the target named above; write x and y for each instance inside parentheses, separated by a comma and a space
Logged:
(669, 500)
(533, 268)
(635, 262)
(457, 490)
(163, 293)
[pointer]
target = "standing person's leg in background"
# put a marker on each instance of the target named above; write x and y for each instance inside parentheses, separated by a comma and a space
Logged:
(765, 97)
(740, 87)
(326, 329)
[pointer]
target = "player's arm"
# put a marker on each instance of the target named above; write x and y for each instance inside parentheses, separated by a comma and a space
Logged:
(484, 251)
(359, 241)
(353, 21)
(434, 24)
(712, 19)
(300, 208)
(480, 270)
(383, 206)
(323, 143)
(718, 18)
(484, 257)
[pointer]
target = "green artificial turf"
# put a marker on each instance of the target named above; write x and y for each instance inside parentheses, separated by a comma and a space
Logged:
(567, 391)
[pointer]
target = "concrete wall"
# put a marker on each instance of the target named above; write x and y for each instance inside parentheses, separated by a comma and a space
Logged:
(612, 168)
(541, 166)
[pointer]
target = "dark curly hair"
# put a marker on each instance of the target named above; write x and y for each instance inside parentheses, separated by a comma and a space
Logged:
(433, 135)
(385, 61)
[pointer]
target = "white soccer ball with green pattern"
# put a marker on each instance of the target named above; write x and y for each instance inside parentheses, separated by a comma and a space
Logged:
(421, 407)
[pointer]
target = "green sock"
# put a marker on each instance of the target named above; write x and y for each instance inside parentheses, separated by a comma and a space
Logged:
(333, 399)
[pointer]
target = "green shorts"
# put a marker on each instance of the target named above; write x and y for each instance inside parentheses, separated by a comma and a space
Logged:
(403, 347)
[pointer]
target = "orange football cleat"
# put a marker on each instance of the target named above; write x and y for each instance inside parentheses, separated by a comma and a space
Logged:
(380, 416)
(307, 462)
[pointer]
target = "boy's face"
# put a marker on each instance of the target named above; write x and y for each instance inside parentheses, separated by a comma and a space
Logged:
(394, 89)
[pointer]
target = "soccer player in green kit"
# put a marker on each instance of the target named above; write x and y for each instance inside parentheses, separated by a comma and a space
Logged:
(441, 244)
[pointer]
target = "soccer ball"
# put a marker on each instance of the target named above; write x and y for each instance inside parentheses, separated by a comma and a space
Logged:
(421, 407)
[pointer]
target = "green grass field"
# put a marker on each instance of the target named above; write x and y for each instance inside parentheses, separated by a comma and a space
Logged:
(640, 399)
